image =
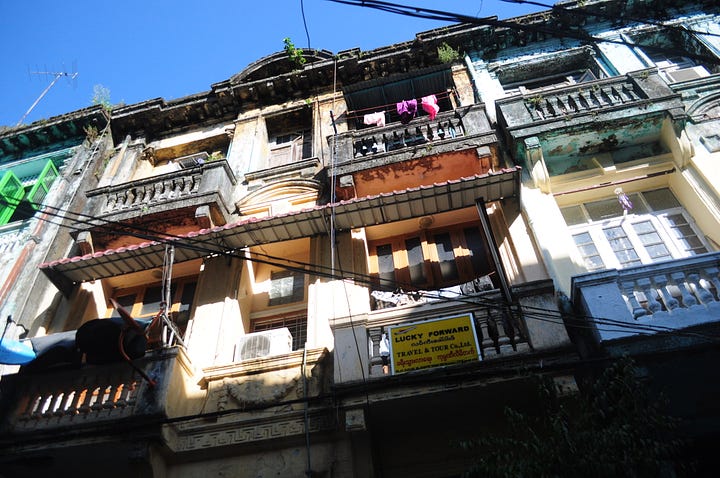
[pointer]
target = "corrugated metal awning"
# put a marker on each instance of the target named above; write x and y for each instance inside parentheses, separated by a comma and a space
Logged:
(362, 212)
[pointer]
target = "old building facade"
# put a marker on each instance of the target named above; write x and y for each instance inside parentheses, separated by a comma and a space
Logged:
(344, 266)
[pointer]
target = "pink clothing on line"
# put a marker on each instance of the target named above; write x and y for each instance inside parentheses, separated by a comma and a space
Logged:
(429, 104)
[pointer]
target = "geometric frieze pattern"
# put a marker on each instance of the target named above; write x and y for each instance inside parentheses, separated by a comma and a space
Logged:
(259, 431)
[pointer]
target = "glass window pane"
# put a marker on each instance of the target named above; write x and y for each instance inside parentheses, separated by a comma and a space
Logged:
(416, 260)
(286, 287)
(151, 301)
(643, 227)
(594, 263)
(386, 266)
(661, 199)
(684, 234)
(650, 238)
(606, 209)
(582, 238)
(125, 301)
(588, 250)
(446, 256)
(573, 215)
(478, 252)
(622, 246)
(186, 300)
(658, 251)
(639, 206)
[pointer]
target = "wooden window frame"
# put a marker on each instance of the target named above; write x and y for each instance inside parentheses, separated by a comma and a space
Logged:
(179, 285)
(431, 265)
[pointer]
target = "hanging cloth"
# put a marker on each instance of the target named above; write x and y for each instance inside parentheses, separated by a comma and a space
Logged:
(429, 104)
(377, 119)
(407, 109)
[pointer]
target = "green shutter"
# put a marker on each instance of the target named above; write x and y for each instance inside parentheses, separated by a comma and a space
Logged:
(11, 193)
(40, 189)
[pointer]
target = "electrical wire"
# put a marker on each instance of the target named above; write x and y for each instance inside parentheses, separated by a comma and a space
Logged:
(364, 279)
(587, 11)
(430, 14)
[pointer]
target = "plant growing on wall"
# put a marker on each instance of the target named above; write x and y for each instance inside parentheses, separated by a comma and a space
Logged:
(295, 54)
(101, 96)
(447, 54)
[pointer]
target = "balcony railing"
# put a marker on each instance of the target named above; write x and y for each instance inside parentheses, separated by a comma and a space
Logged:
(591, 101)
(500, 329)
(579, 100)
(209, 183)
(91, 395)
(647, 299)
(444, 130)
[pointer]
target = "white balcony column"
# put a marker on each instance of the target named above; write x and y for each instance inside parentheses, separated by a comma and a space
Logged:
(712, 274)
(628, 289)
(702, 293)
(688, 299)
(650, 293)
(536, 163)
(661, 283)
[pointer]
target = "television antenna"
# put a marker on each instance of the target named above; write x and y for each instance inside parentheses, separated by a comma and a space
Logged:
(56, 76)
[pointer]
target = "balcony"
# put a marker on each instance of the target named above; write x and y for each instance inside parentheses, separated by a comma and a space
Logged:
(89, 397)
(651, 299)
(209, 184)
(612, 115)
(378, 146)
(501, 331)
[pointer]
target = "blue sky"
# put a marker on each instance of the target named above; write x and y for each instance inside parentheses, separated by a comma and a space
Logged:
(144, 49)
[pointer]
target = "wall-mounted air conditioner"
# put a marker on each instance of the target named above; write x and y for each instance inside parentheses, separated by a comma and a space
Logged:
(263, 344)
(686, 74)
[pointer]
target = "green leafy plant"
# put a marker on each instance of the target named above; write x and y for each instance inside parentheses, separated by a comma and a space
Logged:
(215, 156)
(101, 96)
(91, 133)
(447, 54)
(616, 429)
(295, 54)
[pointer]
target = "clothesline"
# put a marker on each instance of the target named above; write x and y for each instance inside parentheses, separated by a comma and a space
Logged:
(359, 113)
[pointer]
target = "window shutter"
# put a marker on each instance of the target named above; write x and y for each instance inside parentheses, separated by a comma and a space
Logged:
(11, 192)
(40, 189)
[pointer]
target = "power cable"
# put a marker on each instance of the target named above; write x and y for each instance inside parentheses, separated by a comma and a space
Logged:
(590, 12)
(315, 269)
(430, 14)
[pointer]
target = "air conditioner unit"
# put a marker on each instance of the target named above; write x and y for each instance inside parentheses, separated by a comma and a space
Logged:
(686, 74)
(263, 344)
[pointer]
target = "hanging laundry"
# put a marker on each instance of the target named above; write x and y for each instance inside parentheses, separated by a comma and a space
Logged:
(624, 200)
(429, 104)
(407, 109)
(377, 119)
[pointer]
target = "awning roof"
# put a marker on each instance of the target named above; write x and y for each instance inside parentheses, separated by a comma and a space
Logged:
(362, 212)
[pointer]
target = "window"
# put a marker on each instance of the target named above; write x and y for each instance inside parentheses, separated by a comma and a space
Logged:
(430, 259)
(24, 187)
(289, 137)
(551, 71)
(374, 96)
(143, 302)
(663, 48)
(657, 228)
(297, 324)
(286, 287)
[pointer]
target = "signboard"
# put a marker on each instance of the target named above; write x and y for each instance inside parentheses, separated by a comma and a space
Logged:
(433, 343)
